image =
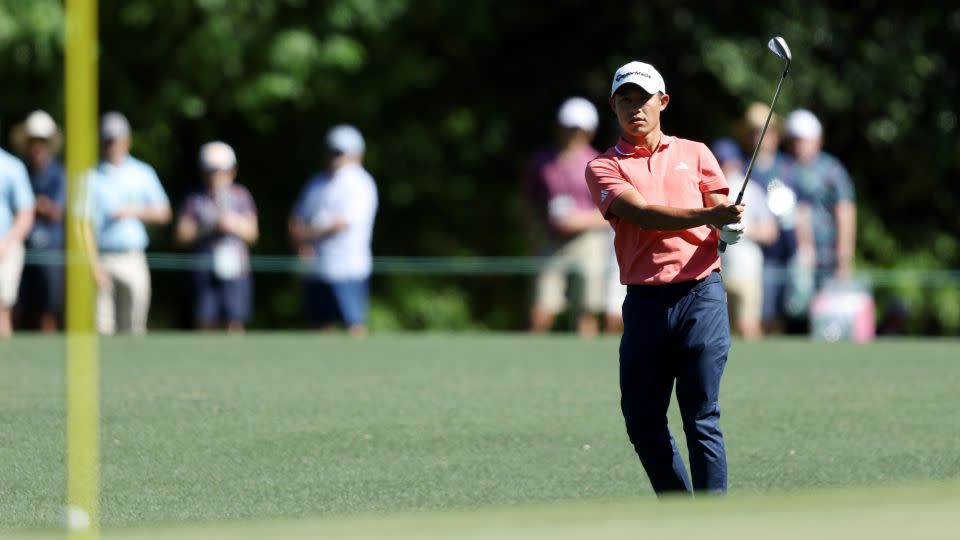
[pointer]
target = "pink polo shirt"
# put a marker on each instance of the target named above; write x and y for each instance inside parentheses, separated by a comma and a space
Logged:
(677, 175)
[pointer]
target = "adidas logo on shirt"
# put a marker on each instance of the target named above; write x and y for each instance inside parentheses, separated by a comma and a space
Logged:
(681, 167)
(603, 195)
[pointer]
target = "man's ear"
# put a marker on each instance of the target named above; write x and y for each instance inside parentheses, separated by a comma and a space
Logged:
(613, 103)
(664, 100)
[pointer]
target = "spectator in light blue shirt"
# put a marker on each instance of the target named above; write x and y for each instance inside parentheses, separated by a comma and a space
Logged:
(38, 141)
(16, 218)
(126, 196)
(331, 226)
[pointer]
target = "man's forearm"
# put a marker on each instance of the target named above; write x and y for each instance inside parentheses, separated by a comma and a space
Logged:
(579, 221)
(846, 231)
(665, 218)
(21, 226)
(155, 215)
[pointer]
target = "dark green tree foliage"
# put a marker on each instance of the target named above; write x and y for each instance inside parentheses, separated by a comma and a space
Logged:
(453, 96)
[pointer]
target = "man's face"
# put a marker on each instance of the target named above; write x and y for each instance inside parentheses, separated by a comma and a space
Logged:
(38, 152)
(806, 149)
(637, 110)
(771, 141)
(219, 179)
(116, 149)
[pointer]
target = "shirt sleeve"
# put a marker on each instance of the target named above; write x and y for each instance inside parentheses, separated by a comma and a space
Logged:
(155, 195)
(189, 208)
(22, 193)
(606, 183)
(60, 197)
(245, 204)
(711, 176)
(86, 203)
(361, 203)
(301, 210)
(757, 210)
(842, 184)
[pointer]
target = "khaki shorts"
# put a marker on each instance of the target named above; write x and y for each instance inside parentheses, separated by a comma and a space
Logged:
(744, 298)
(588, 254)
(123, 305)
(11, 269)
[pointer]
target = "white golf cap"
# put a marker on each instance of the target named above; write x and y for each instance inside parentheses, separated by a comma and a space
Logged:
(40, 125)
(345, 139)
(803, 124)
(114, 125)
(643, 75)
(217, 156)
(579, 113)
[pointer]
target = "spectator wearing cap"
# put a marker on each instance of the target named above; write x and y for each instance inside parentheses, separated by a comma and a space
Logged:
(775, 172)
(566, 226)
(16, 217)
(38, 141)
(743, 261)
(826, 214)
(331, 227)
(219, 223)
(125, 196)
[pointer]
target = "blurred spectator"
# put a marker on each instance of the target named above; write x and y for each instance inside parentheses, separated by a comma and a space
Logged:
(126, 195)
(16, 218)
(616, 294)
(331, 226)
(576, 237)
(826, 215)
(743, 261)
(38, 140)
(774, 172)
(616, 291)
(219, 223)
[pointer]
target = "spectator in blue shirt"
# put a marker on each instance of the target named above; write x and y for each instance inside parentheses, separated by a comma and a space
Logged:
(16, 218)
(126, 195)
(219, 223)
(827, 215)
(38, 141)
(332, 227)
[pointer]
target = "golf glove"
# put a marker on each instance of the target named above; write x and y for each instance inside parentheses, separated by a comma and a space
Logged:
(731, 233)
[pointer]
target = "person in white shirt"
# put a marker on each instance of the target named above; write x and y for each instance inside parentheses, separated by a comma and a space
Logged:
(742, 263)
(331, 226)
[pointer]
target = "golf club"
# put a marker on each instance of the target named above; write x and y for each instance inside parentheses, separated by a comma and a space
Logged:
(779, 47)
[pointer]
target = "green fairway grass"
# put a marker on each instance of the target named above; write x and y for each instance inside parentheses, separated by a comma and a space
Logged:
(205, 428)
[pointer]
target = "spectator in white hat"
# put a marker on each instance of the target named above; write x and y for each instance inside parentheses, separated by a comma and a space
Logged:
(16, 218)
(331, 227)
(125, 197)
(826, 214)
(219, 223)
(565, 225)
(38, 141)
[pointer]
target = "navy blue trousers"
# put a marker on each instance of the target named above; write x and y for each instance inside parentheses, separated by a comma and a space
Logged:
(676, 332)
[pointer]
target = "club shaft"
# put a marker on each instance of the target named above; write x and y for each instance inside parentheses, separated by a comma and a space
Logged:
(756, 149)
(763, 132)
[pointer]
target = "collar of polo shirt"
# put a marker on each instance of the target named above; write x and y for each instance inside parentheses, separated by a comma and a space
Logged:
(626, 148)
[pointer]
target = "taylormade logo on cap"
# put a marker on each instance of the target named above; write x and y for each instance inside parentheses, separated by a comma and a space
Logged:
(643, 75)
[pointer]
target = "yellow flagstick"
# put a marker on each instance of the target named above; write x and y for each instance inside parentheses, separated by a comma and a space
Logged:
(83, 389)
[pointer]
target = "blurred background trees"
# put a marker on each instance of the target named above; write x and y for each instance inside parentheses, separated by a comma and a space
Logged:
(453, 96)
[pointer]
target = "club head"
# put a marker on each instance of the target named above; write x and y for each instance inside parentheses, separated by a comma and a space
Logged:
(780, 48)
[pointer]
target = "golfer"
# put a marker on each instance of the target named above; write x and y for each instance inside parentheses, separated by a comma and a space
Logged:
(666, 199)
